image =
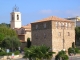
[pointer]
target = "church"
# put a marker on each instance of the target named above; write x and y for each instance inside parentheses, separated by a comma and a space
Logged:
(23, 32)
(54, 32)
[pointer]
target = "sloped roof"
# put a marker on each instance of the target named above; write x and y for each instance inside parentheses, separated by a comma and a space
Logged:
(28, 26)
(53, 18)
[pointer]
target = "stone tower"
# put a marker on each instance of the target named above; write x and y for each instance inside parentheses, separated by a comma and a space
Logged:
(15, 18)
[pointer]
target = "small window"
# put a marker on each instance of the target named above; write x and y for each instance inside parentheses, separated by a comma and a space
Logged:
(68, 33)
(59, 33)
(44, 35)
(44, 25)
(56, 24)
(62, 25)
(66, 25)
(17, 17)
(36, 26)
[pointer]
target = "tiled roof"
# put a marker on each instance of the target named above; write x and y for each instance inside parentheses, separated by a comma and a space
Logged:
(53, 18)
(28, 26)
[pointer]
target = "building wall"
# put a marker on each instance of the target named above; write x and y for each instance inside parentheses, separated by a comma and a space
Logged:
(53, 38)
(27, 35)
(23, 33)
(42, 35)
(59, 33)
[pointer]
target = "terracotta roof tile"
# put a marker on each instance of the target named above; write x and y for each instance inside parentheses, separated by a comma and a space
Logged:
(27, 26)
(53, 18)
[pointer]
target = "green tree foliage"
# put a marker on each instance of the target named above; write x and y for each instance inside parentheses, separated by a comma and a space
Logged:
(11, 42)
(77, 32)
(28, 42)
(7, 31)
(1, 37)
(38, 52)
(4, 25)
(77, 35)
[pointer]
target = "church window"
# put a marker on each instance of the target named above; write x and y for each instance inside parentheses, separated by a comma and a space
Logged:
(17, 17)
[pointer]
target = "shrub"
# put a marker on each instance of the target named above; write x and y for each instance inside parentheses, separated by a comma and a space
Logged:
(61, 55)
(10, 53)
(77, 50)
(17, 52)
(71, 50)
(2, 53)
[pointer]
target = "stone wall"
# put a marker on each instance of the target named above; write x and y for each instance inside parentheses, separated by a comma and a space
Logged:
(42, 35)
(53, 36)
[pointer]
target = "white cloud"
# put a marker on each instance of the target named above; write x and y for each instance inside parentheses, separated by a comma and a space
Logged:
(45, 11)
(73, 12)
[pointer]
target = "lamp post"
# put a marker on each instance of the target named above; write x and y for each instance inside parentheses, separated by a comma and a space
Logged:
(63, 38)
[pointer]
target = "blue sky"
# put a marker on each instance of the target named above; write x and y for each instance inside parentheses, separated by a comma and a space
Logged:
(33, 10)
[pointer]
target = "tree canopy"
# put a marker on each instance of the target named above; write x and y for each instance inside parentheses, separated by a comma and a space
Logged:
(77, 35)
(7, 31)
(5, 25)
(11, 42)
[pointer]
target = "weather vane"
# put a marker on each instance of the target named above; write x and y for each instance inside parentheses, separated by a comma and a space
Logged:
(15, 9)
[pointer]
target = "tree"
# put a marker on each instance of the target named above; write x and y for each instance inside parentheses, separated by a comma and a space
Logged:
(7, 31)
(38, 52)
(4, 25)
(77, 35)
(11, 42)
(28, 42)
(1, 38)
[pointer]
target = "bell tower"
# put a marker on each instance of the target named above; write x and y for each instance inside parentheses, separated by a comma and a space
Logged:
(15, 18)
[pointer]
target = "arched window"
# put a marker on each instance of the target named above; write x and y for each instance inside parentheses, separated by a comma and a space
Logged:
(17, 17)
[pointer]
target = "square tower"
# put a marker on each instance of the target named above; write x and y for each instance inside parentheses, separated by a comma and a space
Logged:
(15, 18)
(56, 33)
